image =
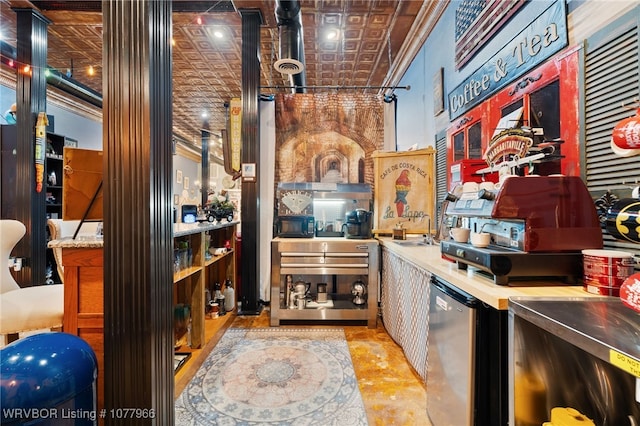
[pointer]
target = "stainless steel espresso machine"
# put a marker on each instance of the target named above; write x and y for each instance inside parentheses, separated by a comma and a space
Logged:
(538, 227)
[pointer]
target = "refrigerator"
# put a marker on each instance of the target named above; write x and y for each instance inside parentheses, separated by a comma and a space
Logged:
(466, 359)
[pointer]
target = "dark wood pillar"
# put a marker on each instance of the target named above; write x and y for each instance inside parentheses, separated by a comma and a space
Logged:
(206, 138)
(31, 98)
(249, 287)
(137, 143)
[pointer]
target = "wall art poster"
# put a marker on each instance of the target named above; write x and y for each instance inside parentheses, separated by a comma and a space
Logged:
(404, 191)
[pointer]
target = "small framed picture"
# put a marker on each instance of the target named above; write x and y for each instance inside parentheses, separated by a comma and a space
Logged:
(178, 176)
(186, 182)
(248, 172)
(176, 199)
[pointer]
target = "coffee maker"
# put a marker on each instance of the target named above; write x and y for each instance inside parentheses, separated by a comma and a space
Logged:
(359, 223)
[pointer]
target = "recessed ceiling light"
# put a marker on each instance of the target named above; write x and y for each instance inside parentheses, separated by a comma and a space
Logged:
(218, 34)
(332, 34)
(205, 114)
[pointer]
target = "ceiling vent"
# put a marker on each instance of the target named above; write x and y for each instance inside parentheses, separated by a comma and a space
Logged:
(289, 66)
(291, 52)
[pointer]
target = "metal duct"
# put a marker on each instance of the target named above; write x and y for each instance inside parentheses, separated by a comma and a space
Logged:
(80, 91)
(291, 53)
(62, 82)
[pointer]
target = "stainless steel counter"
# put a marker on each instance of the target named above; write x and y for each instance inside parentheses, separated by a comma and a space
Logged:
(582, 353)
(604, 327)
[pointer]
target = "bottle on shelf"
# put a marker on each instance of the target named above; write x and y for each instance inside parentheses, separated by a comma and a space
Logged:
(189, 332)
(229, 296)
(219, 298)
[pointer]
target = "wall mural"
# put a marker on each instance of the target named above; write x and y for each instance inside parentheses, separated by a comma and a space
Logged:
(327, 137)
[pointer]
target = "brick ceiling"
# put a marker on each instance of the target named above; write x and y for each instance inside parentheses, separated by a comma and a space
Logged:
(207, 70)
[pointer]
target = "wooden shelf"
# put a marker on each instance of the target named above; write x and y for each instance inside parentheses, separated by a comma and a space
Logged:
(191, 283)
(184, 273)
(84, 301)
(214, 329)
(215, 259)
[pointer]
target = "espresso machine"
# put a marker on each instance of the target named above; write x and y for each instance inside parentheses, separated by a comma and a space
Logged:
(538, 227)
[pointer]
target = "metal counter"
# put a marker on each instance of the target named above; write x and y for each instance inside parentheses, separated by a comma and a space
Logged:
(582, 353)
(598, 326)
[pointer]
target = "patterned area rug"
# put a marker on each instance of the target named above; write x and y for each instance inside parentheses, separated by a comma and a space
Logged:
(274, 376)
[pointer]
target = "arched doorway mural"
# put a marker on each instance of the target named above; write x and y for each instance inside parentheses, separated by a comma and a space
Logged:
(316, 133)
(311, 158)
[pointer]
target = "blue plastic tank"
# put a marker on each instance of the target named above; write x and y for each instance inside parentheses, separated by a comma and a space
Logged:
(48, 379)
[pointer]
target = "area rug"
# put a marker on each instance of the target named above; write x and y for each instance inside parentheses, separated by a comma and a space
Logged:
(274, 376)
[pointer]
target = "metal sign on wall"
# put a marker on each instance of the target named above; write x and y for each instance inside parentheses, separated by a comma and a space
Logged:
(546, 35)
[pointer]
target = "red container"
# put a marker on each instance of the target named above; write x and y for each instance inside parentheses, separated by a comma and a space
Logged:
(604, 280)
(607, 267)
(602, 290)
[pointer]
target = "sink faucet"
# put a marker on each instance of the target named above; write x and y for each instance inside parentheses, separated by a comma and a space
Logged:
(428, 239)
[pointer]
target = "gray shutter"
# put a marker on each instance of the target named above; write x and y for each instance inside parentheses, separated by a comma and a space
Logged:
(441, 178)
(611, 79)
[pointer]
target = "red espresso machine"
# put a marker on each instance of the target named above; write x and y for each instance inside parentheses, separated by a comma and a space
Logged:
(538, 227)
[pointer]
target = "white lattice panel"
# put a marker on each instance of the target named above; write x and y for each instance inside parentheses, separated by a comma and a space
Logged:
(390, 297)
(405, 305)
(416, 308)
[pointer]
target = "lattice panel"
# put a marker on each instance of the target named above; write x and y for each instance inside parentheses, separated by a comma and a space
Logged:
(416, 307)
(390, 298)
(405, 308)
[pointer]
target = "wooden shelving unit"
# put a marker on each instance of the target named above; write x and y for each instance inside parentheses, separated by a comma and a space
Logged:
(84, 296)
(53, 178)
(202, 272)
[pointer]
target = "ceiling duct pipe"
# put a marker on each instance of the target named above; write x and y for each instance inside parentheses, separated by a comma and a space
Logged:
(291, 53)
(59, 80)
(80, 91)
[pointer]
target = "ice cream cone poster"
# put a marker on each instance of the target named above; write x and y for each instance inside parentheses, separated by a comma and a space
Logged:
(404, 191)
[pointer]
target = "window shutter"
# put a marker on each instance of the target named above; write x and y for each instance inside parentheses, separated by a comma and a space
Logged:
(611, 79)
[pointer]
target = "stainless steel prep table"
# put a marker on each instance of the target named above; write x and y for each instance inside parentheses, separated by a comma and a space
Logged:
(582, 353)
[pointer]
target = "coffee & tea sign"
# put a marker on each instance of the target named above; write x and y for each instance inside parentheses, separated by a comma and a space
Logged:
(404, 191)
(542, 38)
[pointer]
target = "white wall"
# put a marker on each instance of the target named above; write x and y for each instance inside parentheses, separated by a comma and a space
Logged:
(88, 133)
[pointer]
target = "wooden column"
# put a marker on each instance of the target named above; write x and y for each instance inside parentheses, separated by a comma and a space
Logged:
(138, 275)
(31, 98)
(204, 193)
(248, 292)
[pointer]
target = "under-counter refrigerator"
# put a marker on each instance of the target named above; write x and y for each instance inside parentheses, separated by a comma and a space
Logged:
(466, 359)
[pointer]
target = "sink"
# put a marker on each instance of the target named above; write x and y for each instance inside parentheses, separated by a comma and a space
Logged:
(410, 243)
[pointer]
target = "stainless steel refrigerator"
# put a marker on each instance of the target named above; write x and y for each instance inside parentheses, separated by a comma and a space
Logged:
(466, 359)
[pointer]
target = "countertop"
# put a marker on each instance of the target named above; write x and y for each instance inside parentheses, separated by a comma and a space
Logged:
(598, 326)
(475, 282)
(179, 230)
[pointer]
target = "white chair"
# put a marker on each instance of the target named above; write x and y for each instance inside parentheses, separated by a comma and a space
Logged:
(25, 309)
